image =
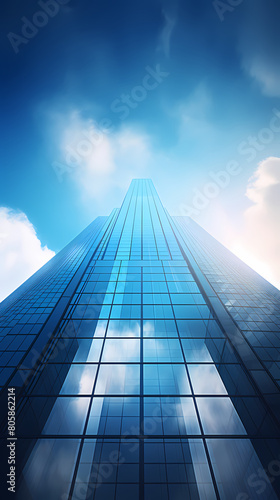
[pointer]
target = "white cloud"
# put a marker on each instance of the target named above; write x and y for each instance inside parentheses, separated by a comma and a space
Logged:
(259, 44)
(252, 234)
(267, 74)
(248, 224)
(21, 252)
(166, 33)
(101, 163)
(259, 243)
(193, 114)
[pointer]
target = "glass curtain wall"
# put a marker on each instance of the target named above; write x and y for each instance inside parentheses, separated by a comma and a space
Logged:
(137, 387)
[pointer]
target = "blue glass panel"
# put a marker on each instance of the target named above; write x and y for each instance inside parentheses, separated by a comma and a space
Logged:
(67, 416)
(205, 379)
(121, 350)
(238, 470)
(192, 328)
(219, 416)
(159, 328)
(170, 416)
(162, 350)
(195, 350)
(123, 328)
(79, 380)
(165, 379)
(118, 379)
(88, 351)
(49, 469)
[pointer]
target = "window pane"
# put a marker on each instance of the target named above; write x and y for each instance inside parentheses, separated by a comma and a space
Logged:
(67, 416)
(121, 350)
(206, 380)
(165, 379)
(80, 380)
(219, 416)
(118, 379)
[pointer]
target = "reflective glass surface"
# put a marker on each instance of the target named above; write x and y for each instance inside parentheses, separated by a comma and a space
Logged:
(145, 360)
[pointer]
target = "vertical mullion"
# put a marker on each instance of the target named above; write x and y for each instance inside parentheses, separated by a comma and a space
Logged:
(194, 399)
(141, 440)
(91, 401)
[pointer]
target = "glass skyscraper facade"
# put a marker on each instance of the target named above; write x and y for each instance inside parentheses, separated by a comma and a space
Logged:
(144, 358)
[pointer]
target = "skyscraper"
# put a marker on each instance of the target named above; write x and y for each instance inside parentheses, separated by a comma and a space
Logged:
(144, 359)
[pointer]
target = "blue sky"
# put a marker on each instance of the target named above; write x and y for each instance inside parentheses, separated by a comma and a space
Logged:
(219, 85)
